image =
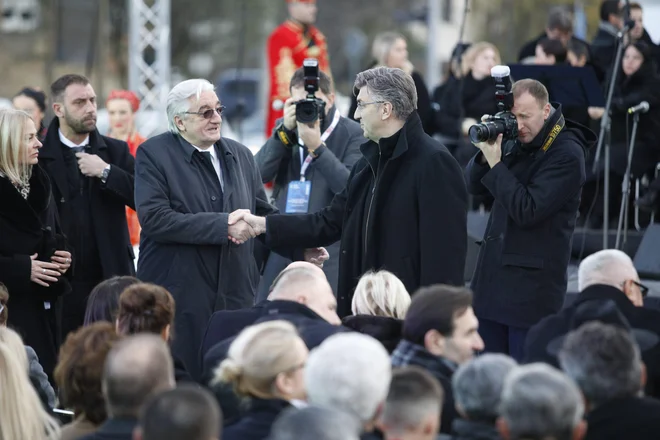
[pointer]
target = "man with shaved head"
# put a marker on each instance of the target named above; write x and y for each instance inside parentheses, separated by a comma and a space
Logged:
(608, 276)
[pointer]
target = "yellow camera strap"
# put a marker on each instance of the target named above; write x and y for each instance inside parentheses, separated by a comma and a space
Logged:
(559, 126)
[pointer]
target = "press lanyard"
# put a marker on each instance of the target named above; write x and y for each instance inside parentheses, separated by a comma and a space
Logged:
(304, 163)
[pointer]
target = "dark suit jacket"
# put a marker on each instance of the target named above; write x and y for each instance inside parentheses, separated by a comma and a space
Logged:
(114, 429)
(557, 325)
(184, 245)
(415, 213)
(255, 424)
(108, 201)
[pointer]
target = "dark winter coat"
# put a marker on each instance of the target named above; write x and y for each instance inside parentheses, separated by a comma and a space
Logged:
(406, 214)
(386, 330)
(30, 227)
(520, 275)
(634, 418)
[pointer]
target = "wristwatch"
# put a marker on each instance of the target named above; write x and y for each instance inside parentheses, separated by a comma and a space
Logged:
(316, 153)
(106, 172)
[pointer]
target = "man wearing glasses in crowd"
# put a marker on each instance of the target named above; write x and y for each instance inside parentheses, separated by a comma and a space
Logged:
(607, 276)
(187, 181)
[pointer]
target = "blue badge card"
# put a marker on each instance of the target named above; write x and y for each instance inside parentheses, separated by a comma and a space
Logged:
(297, 198)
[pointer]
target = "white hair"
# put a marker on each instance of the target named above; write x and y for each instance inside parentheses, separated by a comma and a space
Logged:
(349, 372)
(610, 267)
(539, 401)
(178, 100)
(380, 294)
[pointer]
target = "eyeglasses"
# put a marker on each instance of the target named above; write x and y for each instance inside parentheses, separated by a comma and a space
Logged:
(642, 288)
(208, 114)
(362, 105)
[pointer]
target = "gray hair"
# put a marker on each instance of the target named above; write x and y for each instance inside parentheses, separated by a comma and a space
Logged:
(560, 18)
(178, 100)
(604, 361)
(390, 85)
(382, 45)
(539, 401)
(610, 267)
(478, 384)
(414, 395)
(314, 423)
(349, 372)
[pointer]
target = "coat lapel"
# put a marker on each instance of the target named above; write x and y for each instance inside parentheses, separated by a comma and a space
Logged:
(228, 165)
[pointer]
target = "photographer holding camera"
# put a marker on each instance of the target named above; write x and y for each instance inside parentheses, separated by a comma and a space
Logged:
(310, 160)
(532, 162)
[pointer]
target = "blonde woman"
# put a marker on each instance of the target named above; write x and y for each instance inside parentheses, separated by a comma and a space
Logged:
(21, 412)
(34, 260)
(390, 49)
(380, 303)
(265, 364)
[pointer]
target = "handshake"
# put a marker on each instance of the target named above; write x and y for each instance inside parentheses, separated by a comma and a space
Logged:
(243, 225)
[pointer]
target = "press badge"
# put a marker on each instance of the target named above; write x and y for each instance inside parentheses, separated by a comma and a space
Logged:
(297, 198)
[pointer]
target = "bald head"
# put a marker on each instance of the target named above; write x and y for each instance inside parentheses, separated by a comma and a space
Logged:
(610, 267)
(136, 368)
(306, 284)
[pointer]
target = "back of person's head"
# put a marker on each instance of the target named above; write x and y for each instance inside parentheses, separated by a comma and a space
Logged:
(22, 415)
(307, 285)
(136, 368)
(103, 300)
(478, 384)
(560, 19)
(13, 124)
(325, 81)
(552, 48)
(610, 267)
(380, 294)
(605, 362)
(579, 51)
(145, 307)
(79, 372)
(184, 413)
(440, 318)
(315, 423)
(609, 7)
(413, 405)
(540, 402)
(265, 361)
(4, 299)
(349, 372)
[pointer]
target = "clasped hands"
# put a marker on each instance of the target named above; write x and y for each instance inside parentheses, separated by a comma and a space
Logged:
(243, 225)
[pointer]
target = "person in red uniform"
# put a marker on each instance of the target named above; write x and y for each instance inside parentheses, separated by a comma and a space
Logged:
(287, 47)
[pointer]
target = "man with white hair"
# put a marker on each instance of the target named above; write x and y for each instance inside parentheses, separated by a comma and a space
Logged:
(541, 402)
(187, 181)
(350, 372)
(605, 276)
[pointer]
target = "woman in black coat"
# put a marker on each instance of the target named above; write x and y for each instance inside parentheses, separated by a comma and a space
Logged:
(34, 261)
(390, 49)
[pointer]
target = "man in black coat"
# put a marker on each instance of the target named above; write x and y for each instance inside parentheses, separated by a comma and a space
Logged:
(604, 44)
(536, 181)
(92, 178)
(323, 153)
(607, 275)
(404, 208)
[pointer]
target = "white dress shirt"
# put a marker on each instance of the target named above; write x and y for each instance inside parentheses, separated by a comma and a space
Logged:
(71, 144)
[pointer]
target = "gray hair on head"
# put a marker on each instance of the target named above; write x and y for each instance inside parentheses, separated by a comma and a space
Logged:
(315, 423)
(178, 100)
(478, 384)
(604, 360)
(539, 401)
(390, 85)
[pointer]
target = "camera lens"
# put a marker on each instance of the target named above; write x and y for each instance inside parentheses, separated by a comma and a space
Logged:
(307, 112)
(478, 133)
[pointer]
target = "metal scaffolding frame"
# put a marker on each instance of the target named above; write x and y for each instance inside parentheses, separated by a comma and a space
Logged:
(149, 52)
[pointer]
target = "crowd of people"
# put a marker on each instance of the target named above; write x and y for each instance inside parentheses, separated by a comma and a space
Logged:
(335, 306)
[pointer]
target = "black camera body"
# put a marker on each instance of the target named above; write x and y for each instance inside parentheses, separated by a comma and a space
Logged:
(311, 108)
(503, 122)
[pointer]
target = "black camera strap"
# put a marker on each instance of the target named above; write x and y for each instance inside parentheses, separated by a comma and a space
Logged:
(559, 126)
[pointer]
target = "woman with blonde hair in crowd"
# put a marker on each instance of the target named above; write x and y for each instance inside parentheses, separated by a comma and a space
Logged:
(390, 49)
(380, 303)
(122, 106)
(22, 417)
(265, 364)
(34, 260)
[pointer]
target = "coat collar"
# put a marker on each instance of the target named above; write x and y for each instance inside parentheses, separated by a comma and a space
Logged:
(277, 307)
(605, 292)
(51, 149)
(26, 213)
(410, 130)
(188, 149)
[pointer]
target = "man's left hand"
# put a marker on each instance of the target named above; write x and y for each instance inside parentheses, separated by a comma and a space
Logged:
(91, 165)
(492, 150)
(310, 134)
(317, 256)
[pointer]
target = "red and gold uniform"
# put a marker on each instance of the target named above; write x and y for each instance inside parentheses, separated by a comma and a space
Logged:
(287, 47)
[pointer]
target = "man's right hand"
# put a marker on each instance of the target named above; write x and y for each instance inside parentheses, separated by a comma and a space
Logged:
(243, 226)
(43, 272)
(290, 114)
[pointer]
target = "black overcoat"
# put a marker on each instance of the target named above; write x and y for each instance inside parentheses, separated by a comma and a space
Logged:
(520, 275)
(30, 227)
(417, 225)
(184, 245)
